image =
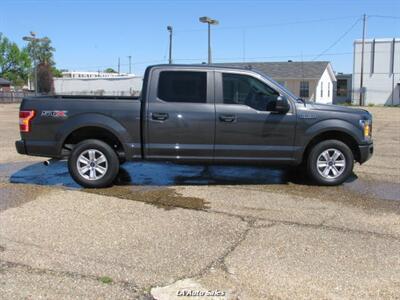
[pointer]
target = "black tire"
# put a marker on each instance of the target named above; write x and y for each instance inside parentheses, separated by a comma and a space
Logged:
(328, 147)
(111, 165)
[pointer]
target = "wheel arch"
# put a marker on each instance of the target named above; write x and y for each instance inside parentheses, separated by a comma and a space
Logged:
(333, 134)
(93, 126)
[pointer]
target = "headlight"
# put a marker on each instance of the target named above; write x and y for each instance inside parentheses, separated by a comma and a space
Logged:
(366, 126)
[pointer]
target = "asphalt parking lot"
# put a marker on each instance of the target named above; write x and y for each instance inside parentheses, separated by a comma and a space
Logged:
(248, 233)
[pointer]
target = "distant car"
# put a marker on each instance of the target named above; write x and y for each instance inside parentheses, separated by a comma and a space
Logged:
(202, 114)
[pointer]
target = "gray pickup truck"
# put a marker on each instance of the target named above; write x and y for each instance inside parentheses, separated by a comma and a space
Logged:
(202, 114)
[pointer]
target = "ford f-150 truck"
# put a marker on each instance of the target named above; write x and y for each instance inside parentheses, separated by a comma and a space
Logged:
(206, 114)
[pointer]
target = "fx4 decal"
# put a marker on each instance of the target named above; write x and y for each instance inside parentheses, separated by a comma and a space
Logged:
(55, 113)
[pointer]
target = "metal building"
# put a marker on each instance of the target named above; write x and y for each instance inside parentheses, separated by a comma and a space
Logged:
(381, 80)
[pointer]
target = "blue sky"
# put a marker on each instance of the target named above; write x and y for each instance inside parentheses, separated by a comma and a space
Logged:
(91, 35)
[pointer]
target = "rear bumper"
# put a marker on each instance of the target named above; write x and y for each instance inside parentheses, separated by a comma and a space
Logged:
(366, 152)
(37, 148)
(20, 145)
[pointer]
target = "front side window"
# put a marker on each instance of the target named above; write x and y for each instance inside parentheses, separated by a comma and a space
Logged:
(182, 86)
(246, 90)
(304, 89)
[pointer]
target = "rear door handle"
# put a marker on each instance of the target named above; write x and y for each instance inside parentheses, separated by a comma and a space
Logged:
(159, 116)
(227, 118)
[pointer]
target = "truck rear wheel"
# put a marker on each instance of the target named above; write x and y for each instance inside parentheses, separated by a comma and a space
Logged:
(93, 164)
(330, 162)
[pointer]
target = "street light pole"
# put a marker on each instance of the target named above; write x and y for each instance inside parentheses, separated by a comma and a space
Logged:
(34, 40)
(130, 65)
(170, 29)
(209, 22)
(209, 44)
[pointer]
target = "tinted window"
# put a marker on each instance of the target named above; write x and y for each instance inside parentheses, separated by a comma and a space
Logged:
(246, 90)
(182, 86)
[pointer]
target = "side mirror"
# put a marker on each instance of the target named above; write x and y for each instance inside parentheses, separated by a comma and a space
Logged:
(282, 104)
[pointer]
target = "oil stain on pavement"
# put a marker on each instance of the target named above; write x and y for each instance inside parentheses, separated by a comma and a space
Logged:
(158, 196)
(14, 195)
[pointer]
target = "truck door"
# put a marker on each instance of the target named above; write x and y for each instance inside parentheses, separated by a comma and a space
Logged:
(247, 127)
(180, 115)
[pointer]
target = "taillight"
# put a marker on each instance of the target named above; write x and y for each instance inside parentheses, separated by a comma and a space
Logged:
(25, 117)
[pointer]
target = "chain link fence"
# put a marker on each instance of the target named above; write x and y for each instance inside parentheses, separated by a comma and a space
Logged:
(13, 97)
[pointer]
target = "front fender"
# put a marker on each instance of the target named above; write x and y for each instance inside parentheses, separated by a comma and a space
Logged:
(333, 125)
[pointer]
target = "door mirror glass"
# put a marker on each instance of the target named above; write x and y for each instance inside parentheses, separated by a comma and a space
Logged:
(282, 104)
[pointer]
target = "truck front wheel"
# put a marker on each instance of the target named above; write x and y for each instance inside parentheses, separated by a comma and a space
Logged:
(330, 162)
(93, 164)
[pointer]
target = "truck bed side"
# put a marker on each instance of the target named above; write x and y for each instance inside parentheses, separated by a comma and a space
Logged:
(60, 122)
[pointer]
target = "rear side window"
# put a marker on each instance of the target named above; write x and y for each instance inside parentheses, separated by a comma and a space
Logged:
(182, 86)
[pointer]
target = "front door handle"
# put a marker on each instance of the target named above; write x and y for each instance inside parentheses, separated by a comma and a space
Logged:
(227, 118)
(159, 116)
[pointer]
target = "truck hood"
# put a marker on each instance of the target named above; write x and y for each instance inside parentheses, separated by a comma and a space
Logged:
(336, 108)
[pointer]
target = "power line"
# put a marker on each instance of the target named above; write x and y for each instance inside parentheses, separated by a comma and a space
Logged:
(308, 21)
(338, 40)
(238, 58)
(384, 17)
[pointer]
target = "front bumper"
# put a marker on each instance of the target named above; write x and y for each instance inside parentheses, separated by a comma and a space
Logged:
(366, 152)
(20, 145)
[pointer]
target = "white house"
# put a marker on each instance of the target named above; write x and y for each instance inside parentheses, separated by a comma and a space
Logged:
(381, 80)
(310, 80)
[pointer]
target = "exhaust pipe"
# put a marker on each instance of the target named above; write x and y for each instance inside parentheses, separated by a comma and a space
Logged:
(50, 161)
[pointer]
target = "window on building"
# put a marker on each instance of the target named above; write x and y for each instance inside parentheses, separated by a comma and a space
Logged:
(322, 89)
(304, 89)
(246, 90)
(281, 82)
(341, 88)
(182, 86)
(329, 89)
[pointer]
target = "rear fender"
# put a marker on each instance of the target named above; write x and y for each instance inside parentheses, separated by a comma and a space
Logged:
(94, 120)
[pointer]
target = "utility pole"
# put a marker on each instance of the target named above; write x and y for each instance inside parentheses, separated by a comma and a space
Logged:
(170, 29)
(362, 100)
(119, 65)
(130, 64)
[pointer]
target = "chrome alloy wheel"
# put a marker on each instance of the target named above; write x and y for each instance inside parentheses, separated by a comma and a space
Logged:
(331, 163)
(92, 164)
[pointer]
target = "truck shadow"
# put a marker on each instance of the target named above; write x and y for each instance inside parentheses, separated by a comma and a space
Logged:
(160, 174)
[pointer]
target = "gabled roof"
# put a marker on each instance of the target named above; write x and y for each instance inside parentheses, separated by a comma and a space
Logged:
(4, 81)
(287, 70)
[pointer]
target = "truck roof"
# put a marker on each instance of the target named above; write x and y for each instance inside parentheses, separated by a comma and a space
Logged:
(203, 66)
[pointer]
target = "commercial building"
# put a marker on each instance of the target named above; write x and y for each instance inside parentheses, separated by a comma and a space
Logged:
(113, 86)
(84, 74)
(310, 80)
(381, 80)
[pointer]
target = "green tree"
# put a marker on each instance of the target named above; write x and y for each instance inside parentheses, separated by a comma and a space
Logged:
(56, 72)
(41, 50)
(110, 70)
(15, 64)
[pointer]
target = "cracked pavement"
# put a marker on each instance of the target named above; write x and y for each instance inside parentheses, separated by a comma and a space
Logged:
(200, 230)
